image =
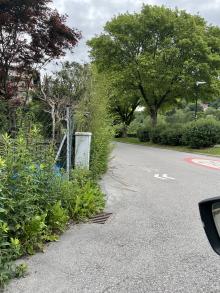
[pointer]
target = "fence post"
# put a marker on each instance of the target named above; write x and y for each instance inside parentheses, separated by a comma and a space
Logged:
(69, 143)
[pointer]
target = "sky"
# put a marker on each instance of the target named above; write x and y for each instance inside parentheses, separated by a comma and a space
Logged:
(89, 16)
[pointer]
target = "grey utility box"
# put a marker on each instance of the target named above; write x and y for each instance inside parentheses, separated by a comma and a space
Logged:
(82, 149)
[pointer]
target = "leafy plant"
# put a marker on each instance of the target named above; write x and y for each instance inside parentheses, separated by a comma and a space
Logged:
(89, 200)
(155, 133)
(143, 135)
(57, 218)
(172, 136)
(202, 133)
(35, 204)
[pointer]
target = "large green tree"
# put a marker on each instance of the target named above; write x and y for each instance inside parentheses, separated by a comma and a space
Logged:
(159, 53)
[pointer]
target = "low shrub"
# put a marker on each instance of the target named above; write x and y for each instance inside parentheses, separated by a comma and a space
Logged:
(132, 135)
(57, 218)
(155, 134)
(201, 133)
(171, 136)
(81, 196)
(143, 135)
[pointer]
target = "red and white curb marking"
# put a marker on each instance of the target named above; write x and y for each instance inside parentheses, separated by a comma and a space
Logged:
(208, 163)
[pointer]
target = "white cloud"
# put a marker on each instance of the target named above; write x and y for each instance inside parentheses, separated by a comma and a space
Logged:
(89, 16)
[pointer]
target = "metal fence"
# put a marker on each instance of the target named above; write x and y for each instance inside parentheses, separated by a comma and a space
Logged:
(61, 138)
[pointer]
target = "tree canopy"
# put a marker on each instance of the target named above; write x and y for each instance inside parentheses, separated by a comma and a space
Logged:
(159, 53)
(31, 34)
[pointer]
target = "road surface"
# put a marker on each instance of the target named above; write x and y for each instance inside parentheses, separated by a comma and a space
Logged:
(153, 242)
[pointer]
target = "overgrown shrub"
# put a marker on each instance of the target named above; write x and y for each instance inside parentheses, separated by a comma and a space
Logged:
(57, 218)
(201, 133)
(35, 203)
(81, 196)
(143, 135)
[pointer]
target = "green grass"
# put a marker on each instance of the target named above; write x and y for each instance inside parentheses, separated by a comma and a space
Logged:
(214, 151)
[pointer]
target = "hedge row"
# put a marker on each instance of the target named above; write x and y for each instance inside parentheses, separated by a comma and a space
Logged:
(197, 134)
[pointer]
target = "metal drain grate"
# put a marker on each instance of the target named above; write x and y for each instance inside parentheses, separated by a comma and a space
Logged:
(100, 218)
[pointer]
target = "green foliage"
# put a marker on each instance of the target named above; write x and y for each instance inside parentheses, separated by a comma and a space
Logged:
(143, 135)
(138, 123)
(93, 116)
(88, 201)
(172, 135)
(33, 233)
(35, 204)
(155, 134)
(179, 116)
(202, 133)
(159, 54)
(57, 218)
(81, 196)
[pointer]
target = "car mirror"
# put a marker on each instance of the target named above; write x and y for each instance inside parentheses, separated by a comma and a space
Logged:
(210, 216)
(216, 215)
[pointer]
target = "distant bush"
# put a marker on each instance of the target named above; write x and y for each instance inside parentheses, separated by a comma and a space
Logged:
(155, 134)
(171, 136)
(202, 133)
(143, 135)
(132, 135)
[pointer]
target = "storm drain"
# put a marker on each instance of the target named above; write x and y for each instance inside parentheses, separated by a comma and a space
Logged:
(100, 218)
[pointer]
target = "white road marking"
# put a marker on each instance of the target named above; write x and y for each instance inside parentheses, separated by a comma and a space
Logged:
(167, 177)
(163, 177)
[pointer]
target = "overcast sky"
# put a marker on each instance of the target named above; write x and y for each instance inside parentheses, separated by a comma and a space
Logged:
(89, 16)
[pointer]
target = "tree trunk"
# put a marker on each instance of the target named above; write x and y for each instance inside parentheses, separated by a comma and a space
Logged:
(124, 131)
(153, 116)
(53, 123)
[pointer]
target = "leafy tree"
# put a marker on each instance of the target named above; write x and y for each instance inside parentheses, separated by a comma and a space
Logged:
(31, 34)
(123, 101)
(160, 54)
(123, 108)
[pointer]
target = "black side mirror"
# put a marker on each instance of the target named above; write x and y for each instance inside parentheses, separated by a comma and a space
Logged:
(210, 215)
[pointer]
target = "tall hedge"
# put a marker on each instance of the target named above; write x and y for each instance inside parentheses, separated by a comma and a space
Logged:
(93, 116)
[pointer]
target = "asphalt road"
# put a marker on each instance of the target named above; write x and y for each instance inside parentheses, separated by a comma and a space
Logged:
(154, 241)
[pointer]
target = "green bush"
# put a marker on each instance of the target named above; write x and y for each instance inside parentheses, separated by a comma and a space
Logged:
(57, 218)
(88, 201)
(35, 204)
(155, 134)
(171, 136)
(201, 133)
(143, 135)
(81, 196)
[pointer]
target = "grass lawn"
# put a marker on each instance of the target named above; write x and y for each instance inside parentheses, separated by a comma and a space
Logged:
(214, 151)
